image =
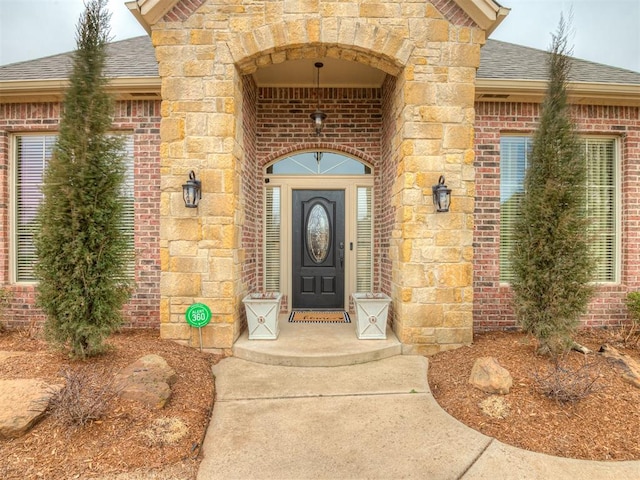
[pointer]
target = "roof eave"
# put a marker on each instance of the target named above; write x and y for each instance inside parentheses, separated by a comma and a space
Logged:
(580, 93)
(122, 88)
(135, 10)
(148, 12)
(486, 13)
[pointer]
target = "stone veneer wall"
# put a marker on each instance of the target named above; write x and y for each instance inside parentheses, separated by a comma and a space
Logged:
(432, 253)
(142, 119)
(492, 309)
(205, 48)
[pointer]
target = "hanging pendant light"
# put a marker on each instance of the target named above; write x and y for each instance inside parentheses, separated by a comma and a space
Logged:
(318, 116)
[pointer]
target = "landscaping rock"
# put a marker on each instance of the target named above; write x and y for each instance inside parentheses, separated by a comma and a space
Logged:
(630, 367)
(22, 403)
(147, 380)
(490, 377)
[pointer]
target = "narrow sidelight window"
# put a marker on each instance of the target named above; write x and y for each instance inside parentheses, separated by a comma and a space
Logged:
(272, 240)
(364, 243)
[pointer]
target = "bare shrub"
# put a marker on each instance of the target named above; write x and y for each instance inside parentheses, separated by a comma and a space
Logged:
(633, 306)
(566, 384)
(32, 332)
(83, 399)
(5, 298)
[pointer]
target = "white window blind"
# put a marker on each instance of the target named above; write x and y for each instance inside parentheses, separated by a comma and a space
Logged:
(32, 154)
(514, 152)
(364, 240)
(272, 240)
(128, 212)
(602, 205)
(601, 201)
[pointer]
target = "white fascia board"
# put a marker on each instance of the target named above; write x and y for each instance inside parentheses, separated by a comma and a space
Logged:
(583, 93)
(486, 13)
(135, 10)
(24, 91)
(148, 12)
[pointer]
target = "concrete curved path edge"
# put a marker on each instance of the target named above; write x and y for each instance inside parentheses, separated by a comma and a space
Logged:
(367, 421)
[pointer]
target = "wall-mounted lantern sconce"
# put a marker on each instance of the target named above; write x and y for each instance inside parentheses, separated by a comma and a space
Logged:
(441, 196)
(192, 191)
(318, 116)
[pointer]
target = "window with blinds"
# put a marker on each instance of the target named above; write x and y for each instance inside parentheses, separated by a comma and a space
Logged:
(272, 240)
(514, 152)
(600, 155)
(364, 240)
(32, 153)
(602, 205)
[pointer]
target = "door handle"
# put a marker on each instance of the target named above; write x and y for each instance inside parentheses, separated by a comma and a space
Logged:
(341, 253)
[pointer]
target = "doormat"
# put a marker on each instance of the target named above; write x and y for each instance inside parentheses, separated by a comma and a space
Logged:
(319, 316)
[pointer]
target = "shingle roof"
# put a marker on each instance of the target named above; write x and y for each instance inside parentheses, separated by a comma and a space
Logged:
(135, 57)
(507, 61)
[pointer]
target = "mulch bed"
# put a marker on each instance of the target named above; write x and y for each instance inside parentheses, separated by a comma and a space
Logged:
(605, 425)
(117, 442)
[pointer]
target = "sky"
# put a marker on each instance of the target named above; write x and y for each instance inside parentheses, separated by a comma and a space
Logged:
(602, 31)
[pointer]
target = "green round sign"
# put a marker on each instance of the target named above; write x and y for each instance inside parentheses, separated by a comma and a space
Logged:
(198, 315)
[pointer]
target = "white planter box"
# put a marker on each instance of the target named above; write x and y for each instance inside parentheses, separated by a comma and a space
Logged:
(372, 310)
(262, 315)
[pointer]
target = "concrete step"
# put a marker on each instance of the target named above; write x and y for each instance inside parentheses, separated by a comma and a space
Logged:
(316, 345)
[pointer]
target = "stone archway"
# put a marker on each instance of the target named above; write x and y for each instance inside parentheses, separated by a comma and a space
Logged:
(427, 108)
(293, 133)
(347, 39)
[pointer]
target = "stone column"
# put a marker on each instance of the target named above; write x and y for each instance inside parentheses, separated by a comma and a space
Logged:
(201, 256)
(433, 252)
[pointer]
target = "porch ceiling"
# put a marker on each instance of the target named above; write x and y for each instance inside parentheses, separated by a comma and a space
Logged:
(335, 73)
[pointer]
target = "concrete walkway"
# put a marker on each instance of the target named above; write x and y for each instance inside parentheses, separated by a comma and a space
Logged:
(376, 420)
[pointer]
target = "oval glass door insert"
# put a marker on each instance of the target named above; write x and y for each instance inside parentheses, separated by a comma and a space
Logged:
(318, 233)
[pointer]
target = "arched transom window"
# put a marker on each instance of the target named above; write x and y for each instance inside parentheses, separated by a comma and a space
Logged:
(318, 163)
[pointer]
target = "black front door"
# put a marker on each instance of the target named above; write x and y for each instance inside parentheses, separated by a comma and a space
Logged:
(318, 249)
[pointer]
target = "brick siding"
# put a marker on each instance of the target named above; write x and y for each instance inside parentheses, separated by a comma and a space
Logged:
(282, 125)
(492, 308)
(140, 118)
(252, 272)
(385, 213)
